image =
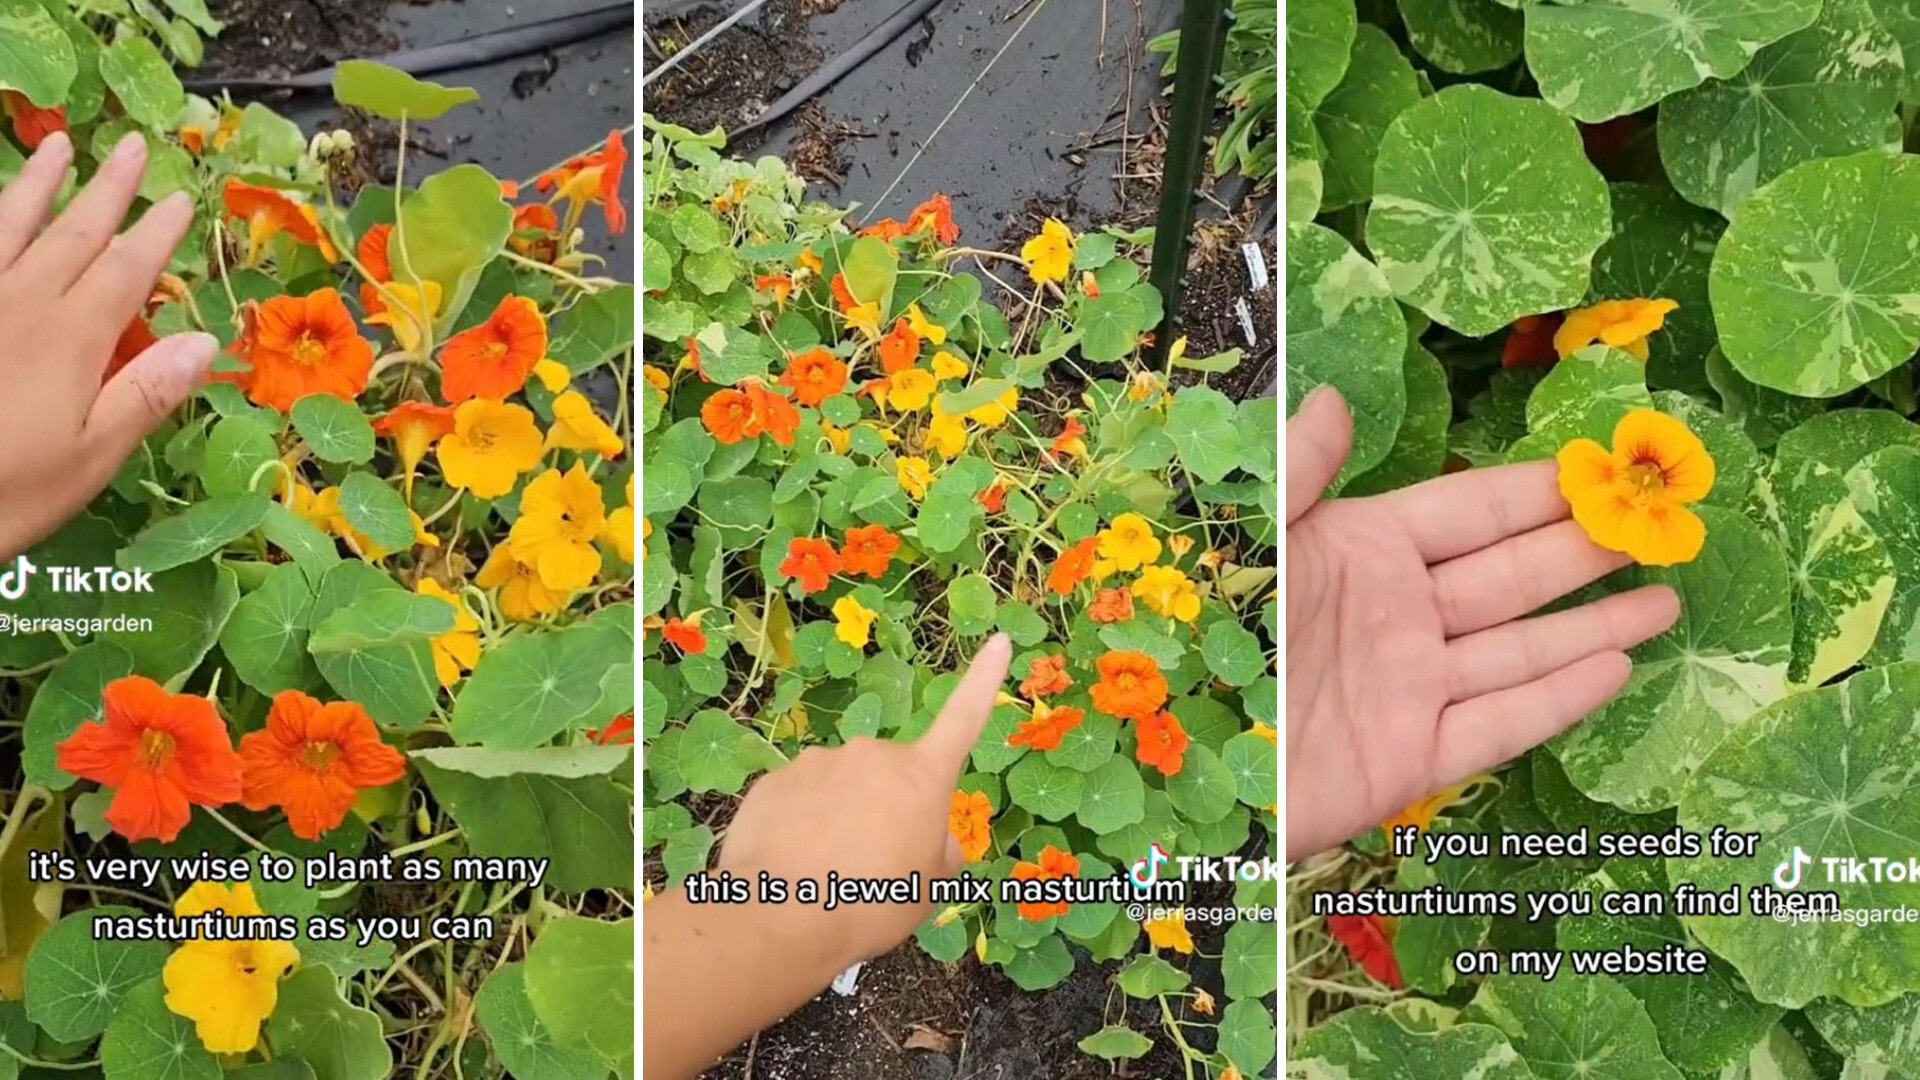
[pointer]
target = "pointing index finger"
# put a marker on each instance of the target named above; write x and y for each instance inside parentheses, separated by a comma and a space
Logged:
(947, 743)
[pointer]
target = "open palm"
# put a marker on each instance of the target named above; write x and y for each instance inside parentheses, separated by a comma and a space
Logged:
(1410, 664)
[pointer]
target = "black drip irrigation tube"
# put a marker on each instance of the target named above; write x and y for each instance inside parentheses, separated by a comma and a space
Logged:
(453, 56)
(876, 39)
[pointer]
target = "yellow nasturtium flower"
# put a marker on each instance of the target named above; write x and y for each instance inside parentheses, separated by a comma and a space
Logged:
(1168, 592)
(995, 412)
(948, 366)
(914, 475)
(522, 596)
(911, 389)
(946, 433)
(555, 376)
(577, 427)
(930, 332)
(1421, 813)
(1170, 932)
(620, 527)
(491, 445)
(1623, 324)
(1049, 256)
(458, 650)
(852, 622)
(408, 312)
(1633, 498)
(1129, 543)
(561, 515)
(227, 988)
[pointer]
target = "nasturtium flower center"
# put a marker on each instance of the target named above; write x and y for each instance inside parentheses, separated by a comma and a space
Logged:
(309, 352)
(319, 756)
(1646, 480)
(155, 748)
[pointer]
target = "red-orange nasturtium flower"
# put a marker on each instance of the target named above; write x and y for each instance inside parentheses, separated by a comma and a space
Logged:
(1366, 940)
(134, 340)
(618, 733)
(592, 178)
(868, 550)
(300, 345)
(1047, 725)
(773, 414)
(1529, 341)
(414, 426)
(1071, 442)
(811, 562)
(31, 123)
(1131, 686)
(493, 360)
(814, 376)
(1111, 606)
(372, 253)
(268, 213)
(685, 635)
(993, 498)
(727, 415)
(1073, 566)
(1046, 676)
(1054, 864)
(159, 753)
(779, 286)
(534, 226)
(1163, 742)
(900, 348)
(885, 229)
(312, 760)
(936, 212)
(970, 823)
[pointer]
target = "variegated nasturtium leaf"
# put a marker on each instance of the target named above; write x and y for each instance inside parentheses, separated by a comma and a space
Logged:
(1379, 84)
(1606, 58)
(1725, 658)
(1367, 1044)
(1815, 288)
(1885, 1037)
(1902, 19)
(1420, 449)
(1777, 1056)
(1485, 209)
(1842, 575)
(1824, 91)
(1306, 179)
(1583, 397)
(1833, 773)
(1425, 945)
(1463, 36)
(1704, 1021)
(1885, 487)
(1319, 41)
(1344, 328)
(1587, 1028)
(1735, 459)
(1662, 248)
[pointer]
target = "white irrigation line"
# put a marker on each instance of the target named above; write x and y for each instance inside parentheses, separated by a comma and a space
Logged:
(700, 42)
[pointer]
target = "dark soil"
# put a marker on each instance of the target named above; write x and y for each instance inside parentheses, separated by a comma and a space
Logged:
(736, 75)
(1217, 279)
(274, 38)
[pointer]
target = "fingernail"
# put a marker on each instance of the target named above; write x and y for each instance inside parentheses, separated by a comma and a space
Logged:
(1315, 396)
(1000, 642)
(193, 355)
(130, 148)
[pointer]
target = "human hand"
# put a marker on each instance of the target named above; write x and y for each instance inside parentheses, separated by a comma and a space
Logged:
(67, 290)
(1409, 664)
(868, 809)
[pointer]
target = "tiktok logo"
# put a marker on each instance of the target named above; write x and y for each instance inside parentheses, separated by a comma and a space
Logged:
(1786, 876)
(13, 583)
(1147, 870)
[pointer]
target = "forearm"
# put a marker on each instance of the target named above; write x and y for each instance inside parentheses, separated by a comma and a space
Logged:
(717, 973)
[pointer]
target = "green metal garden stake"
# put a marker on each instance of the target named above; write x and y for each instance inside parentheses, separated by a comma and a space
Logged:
(1203, 38)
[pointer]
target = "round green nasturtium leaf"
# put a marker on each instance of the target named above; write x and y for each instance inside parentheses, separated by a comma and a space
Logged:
(189, 606)
(75, 983)
(1254, 762)
(1247, 1036)
(336, 430)
(266, 639)
(37, 57)
(1147, 976)
(1881, 1036)
(1344, 328)
(1815, 289)
(1204, 427)
(1822, 92)
(521, 1042)
(1584, 396)
(1319, 41)
(1112, 797)
(1485, 208)
(1463, 37)
(710, 753)
(970, 604)
(1606, 58)
(146, 1039)
(232, 462)
(1203, 791)
(580, 981)
(313, 1023)
(1829, 773)
(1419, 450)
(1040, 966)
(1250, 960)
(191, 535)
(1902, 20)
(1704, 1021)
(1885, 489)
(1843, 577)
(1367, 1044)
(1662, 248)
(1046, 790)
(1116, 1041)
(1350, 122)
(1571, 1028)
(1233, 653)
(1725, 658)
(143, 81)
(394, 94)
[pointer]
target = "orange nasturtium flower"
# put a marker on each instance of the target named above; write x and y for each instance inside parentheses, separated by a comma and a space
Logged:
(1129, 543)
(1046, 726)
(970, 823)
(1046, 676)
(778, 286)
(300, 345)
(196, 138)
(1623, 324)
(372, 253)
(814, 376)
(491, 445)
(1170, 932)
(227, 988)
(1049, 256)
(1073, 566)
(685, 635)
(1529, 341)
(137, 338)
(313, 760)
(561, 515)
(727, 415)
(458, 650)
(937, 213)
(1163, 742)
(1054, 864)
(1168, 592)
(592, 178)
(1633, 499)
(618, 733)
(268, 213)
(853, 622)
(868, 550)
(1131, 686)
(577, 427)
(160, 753)
(493, 360)
(810, 561)
(900, 348)
(993, 499)
(1111, 606)
(522, 595)
(534, 226)
(31, 123)
(414, 426)
(1071, 442)
(1421, 812)
(772, 414)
